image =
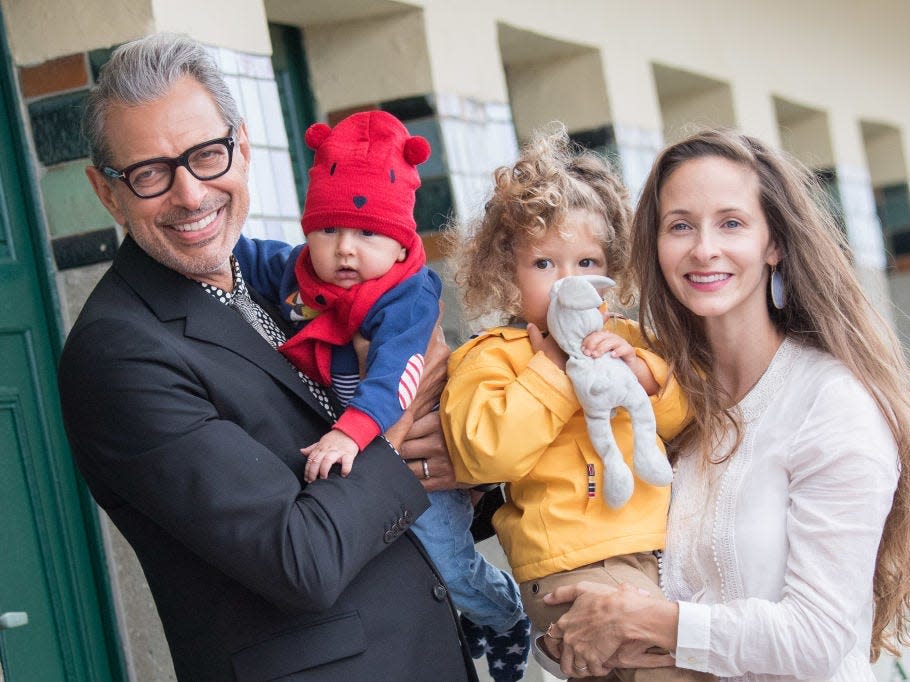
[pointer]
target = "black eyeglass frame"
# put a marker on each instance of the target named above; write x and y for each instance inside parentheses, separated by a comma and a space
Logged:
(174, 163)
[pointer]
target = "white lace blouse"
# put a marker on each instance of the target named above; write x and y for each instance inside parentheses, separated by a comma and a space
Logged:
(771, 554)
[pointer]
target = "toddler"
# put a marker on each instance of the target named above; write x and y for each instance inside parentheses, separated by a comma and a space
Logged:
(509, 411)
(363, 271)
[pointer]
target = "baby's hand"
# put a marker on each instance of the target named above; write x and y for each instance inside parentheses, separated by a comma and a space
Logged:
(600, 343)
(332, 448)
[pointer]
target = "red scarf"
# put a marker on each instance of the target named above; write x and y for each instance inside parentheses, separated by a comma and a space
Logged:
(341, 311)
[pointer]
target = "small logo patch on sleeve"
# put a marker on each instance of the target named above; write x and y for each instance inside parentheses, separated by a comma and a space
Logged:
(299, 310)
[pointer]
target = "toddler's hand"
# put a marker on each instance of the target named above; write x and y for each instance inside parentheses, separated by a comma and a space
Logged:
(600, 343)
(548, 345)
(332, 448)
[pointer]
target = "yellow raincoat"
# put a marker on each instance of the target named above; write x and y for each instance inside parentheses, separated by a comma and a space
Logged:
(511, 415)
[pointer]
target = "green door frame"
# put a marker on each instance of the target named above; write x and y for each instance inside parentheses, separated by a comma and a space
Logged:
(298, 108)
(106, 661)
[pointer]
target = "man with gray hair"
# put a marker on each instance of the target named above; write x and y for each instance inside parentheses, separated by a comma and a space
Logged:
(187, 423)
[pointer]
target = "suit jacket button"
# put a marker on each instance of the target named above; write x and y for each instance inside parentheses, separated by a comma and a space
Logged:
(439, 592)
(389, 536)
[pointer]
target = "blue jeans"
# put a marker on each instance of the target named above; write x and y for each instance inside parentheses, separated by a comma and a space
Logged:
(483, 593)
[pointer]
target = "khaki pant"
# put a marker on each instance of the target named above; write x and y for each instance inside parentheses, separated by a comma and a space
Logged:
(639, 570)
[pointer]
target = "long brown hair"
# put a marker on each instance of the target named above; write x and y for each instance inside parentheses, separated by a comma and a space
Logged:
(551, 177)
(825, 307)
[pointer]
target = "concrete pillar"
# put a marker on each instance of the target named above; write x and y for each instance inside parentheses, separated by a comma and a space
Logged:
(636, 115)
(754, 112)
(864, 230)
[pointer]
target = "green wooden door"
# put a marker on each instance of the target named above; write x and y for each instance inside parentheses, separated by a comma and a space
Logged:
(50, 558)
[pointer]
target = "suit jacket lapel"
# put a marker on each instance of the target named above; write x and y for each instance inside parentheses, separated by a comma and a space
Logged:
(172, 296)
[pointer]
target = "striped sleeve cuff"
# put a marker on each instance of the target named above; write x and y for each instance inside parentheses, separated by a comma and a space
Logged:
(358, 426)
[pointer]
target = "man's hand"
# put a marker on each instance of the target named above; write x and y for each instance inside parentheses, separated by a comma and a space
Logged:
(424, 451)
(332, 448)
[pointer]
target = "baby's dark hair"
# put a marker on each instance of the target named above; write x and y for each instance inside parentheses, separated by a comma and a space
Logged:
(551, 177)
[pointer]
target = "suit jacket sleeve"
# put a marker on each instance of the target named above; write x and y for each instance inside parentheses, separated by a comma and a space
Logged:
(151, 430)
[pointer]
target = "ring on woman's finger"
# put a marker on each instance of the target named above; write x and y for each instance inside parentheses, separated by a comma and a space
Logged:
(426, 469)
(580, 668)
(549, 632)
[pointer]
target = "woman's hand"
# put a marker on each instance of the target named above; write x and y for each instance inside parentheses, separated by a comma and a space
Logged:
(609, 627)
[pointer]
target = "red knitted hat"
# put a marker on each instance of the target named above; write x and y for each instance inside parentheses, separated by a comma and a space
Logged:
(364, 176)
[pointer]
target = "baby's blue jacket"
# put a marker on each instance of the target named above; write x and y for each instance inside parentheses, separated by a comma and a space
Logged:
(398, 326)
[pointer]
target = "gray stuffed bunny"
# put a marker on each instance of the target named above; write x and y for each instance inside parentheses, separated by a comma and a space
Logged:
(603, 384)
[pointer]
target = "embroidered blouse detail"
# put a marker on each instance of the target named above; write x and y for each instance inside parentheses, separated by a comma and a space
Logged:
(770, 553)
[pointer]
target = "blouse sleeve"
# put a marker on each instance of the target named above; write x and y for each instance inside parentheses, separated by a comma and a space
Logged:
(842, 467)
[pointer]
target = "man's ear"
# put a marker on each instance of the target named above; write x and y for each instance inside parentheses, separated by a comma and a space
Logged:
(243, 146)
(105, 191)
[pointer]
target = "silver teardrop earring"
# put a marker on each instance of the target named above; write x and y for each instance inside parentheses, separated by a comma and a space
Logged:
(778, 297)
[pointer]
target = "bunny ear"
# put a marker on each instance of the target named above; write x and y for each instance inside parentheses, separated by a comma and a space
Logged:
(316, 134)
(575, 293)
(599, 281)
(416, 150)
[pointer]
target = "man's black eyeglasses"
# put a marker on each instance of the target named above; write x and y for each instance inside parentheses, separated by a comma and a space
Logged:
(154, 177)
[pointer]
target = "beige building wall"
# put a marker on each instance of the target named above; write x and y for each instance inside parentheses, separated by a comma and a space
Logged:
(547, 89)
(45, 29)
(496, 68)
(368, 60)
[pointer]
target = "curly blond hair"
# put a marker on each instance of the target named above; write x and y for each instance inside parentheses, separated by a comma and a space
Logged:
(551, 177)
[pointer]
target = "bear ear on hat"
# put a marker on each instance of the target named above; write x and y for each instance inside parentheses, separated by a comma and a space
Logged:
(416, 150)
(316, 134)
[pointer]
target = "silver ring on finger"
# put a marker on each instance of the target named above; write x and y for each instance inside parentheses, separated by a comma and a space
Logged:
(580, 668)
(426, 469)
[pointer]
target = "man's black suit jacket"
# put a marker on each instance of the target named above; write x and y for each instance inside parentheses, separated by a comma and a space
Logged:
(187, 427)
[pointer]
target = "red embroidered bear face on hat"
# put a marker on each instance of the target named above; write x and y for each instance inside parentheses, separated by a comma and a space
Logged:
(364, 176)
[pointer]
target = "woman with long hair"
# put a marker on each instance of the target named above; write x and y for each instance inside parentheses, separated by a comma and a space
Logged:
(788, 544)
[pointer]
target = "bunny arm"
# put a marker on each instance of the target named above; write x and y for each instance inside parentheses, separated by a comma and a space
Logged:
(669, 404)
